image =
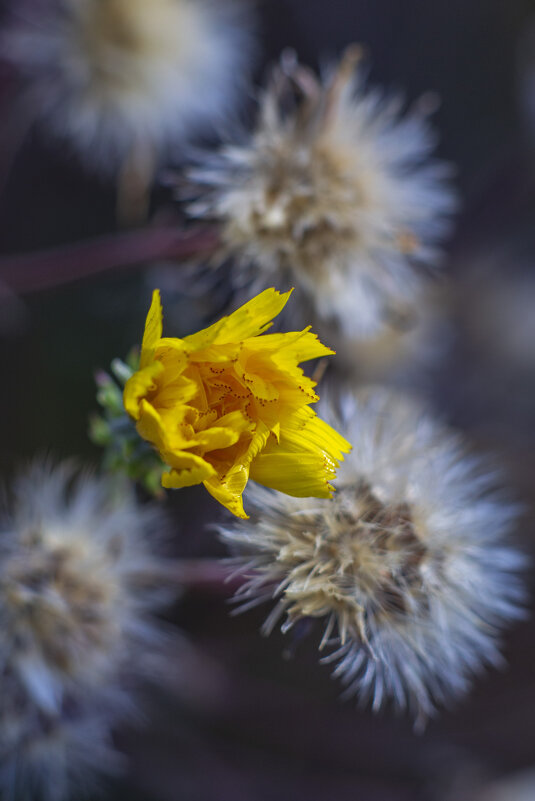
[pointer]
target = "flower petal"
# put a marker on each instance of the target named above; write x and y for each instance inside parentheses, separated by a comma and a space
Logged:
(298, 474)
(138, 386)
(153, 330)
(229, 493)
(292, 347)
(305, 431)
(176, 479)
(150, 425)
(250, 320)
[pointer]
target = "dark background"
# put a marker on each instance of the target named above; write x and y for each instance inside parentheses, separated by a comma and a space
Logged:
(242, 723)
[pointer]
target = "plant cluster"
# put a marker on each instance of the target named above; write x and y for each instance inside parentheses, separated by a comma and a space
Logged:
(359, 513)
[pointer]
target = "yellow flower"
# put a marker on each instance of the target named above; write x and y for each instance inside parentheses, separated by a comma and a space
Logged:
(226, 404)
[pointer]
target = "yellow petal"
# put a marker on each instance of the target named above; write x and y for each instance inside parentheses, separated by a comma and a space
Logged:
(203, 339)
(138, 387)
(254, 317)
(175, 393)
(172, 353)
(186, 460)
(229, 492)
(216, 438)
(304, 430)
(237, 421)
(228, 489)
(153, 330)
(215, 354)
(171, 344)
(293, 347)
(150, 425)
(260, 388)
(258, 442)
(176, 479)
(297, 389)
(286, 380)
(249, 320)
(299, 474)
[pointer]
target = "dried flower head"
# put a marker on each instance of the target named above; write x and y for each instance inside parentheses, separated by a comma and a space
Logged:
(75, 625)
(231, 403)
(112, 75)
(408, 564)
(333, 193)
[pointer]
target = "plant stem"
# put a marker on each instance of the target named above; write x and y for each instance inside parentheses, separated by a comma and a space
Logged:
(29, 272)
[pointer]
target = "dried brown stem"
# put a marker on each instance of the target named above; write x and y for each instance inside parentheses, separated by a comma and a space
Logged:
(29, 272)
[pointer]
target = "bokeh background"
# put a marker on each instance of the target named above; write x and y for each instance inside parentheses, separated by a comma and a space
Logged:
(238, 722)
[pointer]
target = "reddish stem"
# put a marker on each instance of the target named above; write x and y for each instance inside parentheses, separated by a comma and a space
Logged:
(29, 272)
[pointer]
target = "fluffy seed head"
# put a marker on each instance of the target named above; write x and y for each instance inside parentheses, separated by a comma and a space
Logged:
(75, 625)
(333, 193)
(114, 74)
(408, 564)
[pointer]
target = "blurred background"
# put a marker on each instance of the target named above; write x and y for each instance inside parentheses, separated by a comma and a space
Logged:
(240, 723)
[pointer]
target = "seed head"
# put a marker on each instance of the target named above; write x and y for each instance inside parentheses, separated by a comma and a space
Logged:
(76, 598)
(110, 76)
(408, 565)
(332, 193)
